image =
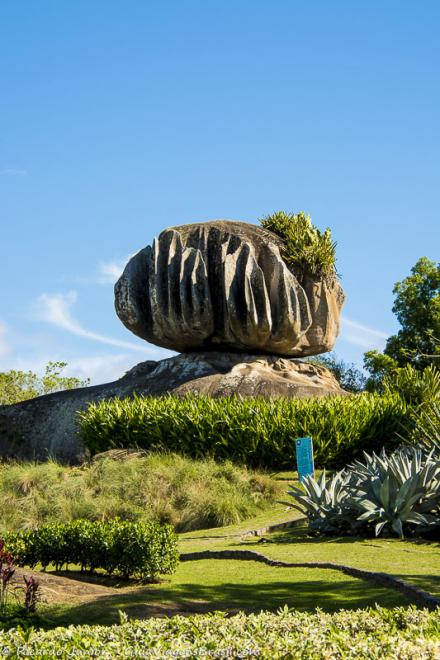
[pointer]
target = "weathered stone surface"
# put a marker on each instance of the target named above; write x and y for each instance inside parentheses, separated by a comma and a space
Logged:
(224, 285)
(46, 426)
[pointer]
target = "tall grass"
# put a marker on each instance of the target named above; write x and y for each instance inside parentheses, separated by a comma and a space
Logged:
(189, 494)
(255, 432)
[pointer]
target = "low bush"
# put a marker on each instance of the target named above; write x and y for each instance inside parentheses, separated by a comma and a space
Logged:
(189, 494)
(256, 432)
(141, 550)
(374, 633)
(384, 494)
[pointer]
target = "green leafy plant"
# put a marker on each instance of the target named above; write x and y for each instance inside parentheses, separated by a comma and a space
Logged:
(256, 432)
(426, 430)
(390, 493)
(141, 550)
(414, 386)
(410, 633)
(307, 249)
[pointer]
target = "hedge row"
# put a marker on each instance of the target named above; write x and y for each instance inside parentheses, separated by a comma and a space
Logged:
(402, 633)
(256, 432)
(141, 550)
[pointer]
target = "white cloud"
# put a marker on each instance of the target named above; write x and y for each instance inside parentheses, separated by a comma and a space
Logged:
(103, 368)
(100, 368)
(4, 346)
(12, 172)
(362, 335)
(111, 271)
(55, 309)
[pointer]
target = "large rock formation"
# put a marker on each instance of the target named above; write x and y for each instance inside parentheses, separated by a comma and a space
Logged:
(224, 285)
(221, 293)
(47, 426)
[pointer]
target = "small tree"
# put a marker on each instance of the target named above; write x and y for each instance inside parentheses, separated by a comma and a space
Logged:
(16, 386)
(417, 307)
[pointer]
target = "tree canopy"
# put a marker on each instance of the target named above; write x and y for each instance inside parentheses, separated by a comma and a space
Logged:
(16, 386)
(417, 343)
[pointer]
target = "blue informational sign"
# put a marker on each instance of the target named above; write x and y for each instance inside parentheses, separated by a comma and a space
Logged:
(304, 457)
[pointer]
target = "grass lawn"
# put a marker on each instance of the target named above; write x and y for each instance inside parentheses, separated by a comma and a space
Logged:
(207, 585)
(415, 561)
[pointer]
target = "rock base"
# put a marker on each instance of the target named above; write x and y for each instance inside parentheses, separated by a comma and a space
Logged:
(47, 426)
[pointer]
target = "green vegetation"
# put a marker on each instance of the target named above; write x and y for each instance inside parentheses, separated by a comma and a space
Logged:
(416, 387)
(121, 547)
(206, 585)
(399, 493)
(189, 494)
(256, 432)
(347, 375)
(426, 427)
(417, 307)
(226, 584)
(16, 386)
(373, 633)
(307, 250)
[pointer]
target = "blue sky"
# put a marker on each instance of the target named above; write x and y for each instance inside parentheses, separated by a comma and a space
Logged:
(118, 119)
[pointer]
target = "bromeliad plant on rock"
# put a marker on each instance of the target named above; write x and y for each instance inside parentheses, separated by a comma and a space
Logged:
(397, 494)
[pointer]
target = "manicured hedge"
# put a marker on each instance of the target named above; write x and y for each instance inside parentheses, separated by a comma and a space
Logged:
(406, 634)
(256, 432)
(141, 550)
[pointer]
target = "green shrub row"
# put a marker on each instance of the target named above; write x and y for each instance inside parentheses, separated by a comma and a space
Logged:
(404, 633)
(256, 432)
(141, 550)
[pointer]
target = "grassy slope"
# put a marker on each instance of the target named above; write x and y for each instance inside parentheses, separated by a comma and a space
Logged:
(189, 494)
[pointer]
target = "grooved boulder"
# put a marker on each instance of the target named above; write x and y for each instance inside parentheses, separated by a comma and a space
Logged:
(225, 285)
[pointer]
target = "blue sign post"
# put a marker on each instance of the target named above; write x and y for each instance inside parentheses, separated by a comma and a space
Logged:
(304, 457)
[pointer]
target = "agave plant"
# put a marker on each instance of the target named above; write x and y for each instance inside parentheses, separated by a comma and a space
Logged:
(324, 502)
(390, 492)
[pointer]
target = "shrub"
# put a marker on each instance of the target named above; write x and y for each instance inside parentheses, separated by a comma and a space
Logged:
(389, 494)
(307, 250)
(141, 550)
(256, 432)
(416, 387)
(407, 633)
